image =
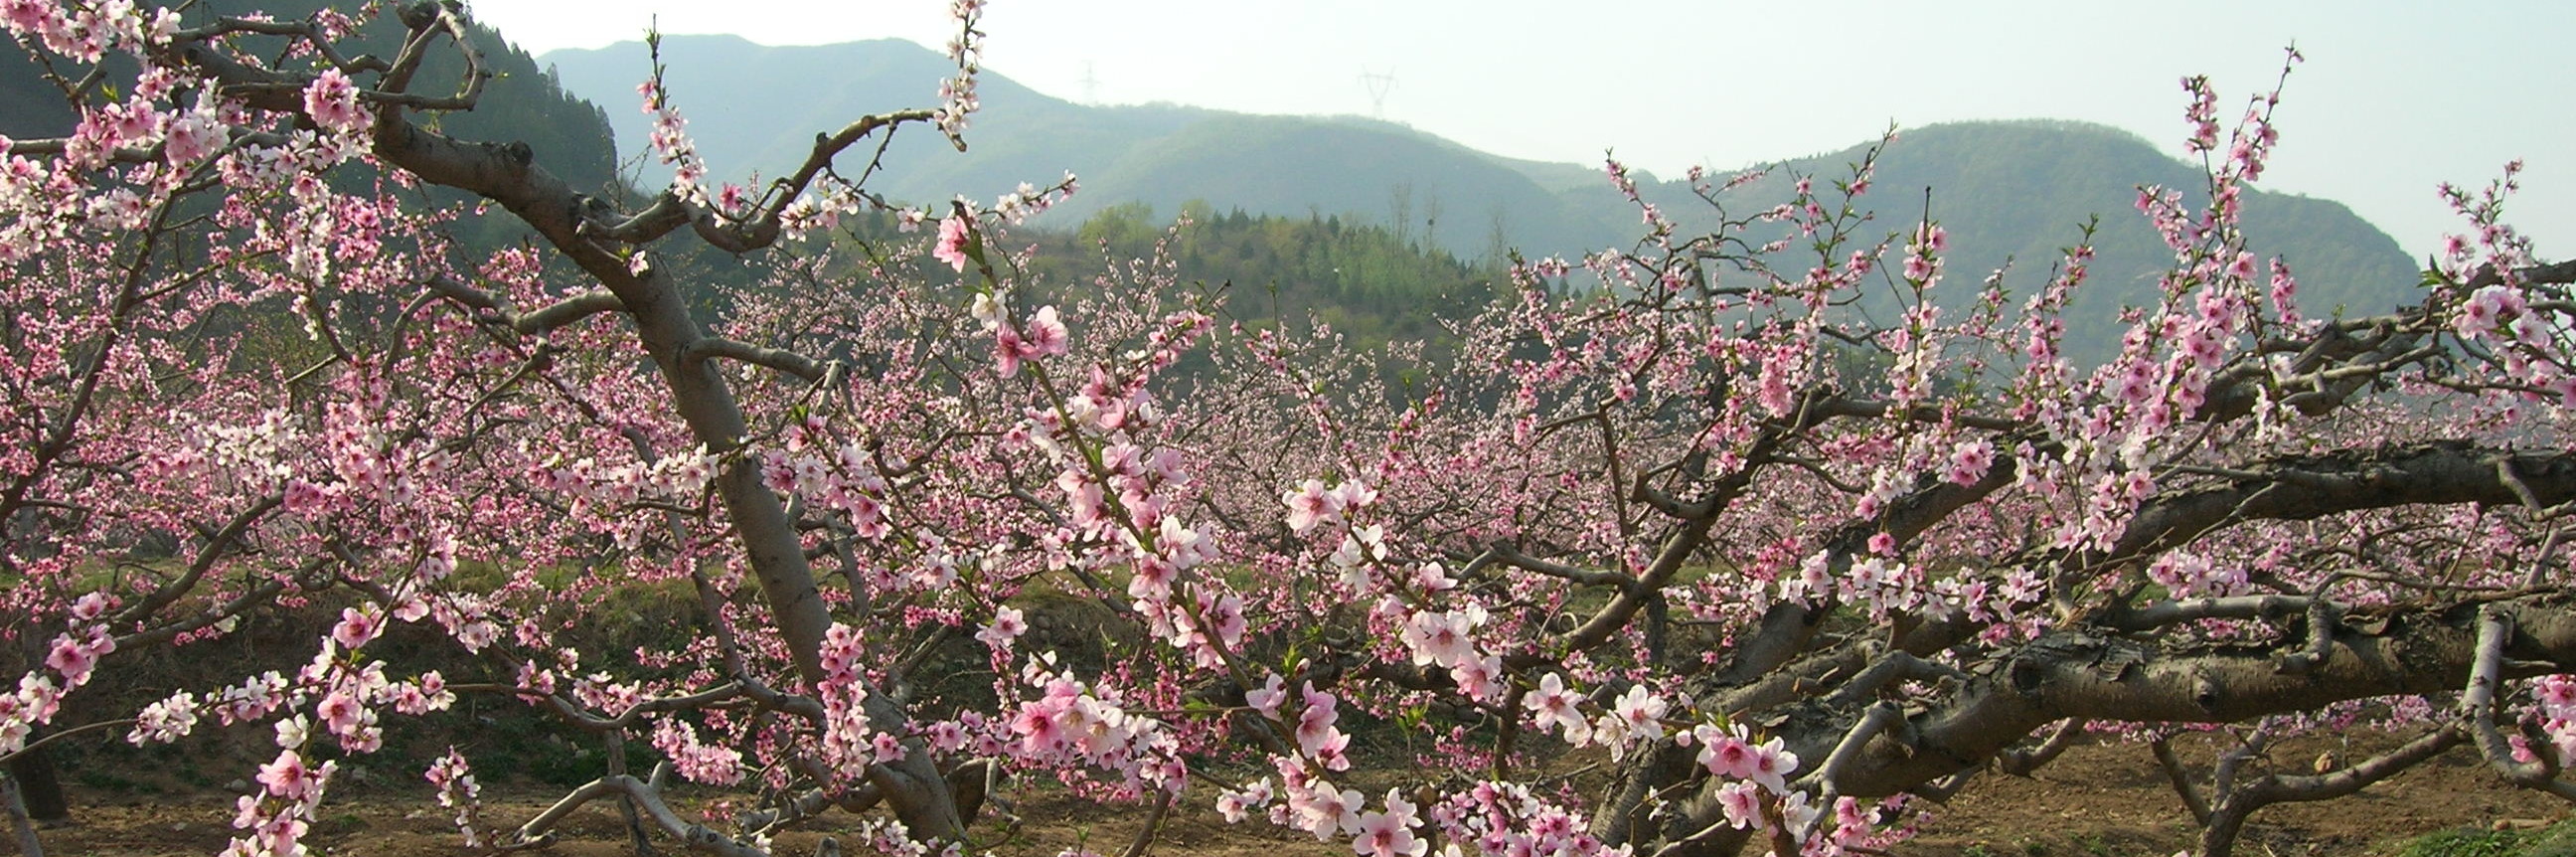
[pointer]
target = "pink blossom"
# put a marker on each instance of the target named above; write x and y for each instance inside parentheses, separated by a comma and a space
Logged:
(1638, 714)
(288, 778)
(2243, 267)
(1440, 639)
(1046, 336)
(1009, 348)
(1919, 268)
(1481, 679)
(344, 714)
(283, 835)
(1970, 460)
(1726, 755)
(1743, 803)
(88, 608)
(1330, 752)
(1309, 506)
(1315, 721)
(305, 498)
(358, 626)
(1772, 763)
(76, 658)
(1267, 698)
(332, 101)
(1883, 544)
(1232, 804)
(1389, 833)
(1354, 494)
(1324, 811)
(166, 720)
(2480, 314)
(2555, 692)
(1008, 624)
(30, 16)
(1039, 731)
(1553, 706)
(293, 732)
(952, 243)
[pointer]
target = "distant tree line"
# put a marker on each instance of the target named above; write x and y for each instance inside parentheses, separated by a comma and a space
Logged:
(1360, 278)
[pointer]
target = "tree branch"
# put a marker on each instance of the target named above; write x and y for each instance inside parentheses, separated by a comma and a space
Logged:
(782, 360)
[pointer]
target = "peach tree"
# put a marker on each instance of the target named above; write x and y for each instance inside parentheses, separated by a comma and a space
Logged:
(1785, 568)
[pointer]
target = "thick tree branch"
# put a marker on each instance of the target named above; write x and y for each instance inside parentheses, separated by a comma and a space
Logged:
(1508, 555)
(2075, 674)
(544, 320)
(2023, 762)
(2302, 487)
(780, 359)
(2174, 612)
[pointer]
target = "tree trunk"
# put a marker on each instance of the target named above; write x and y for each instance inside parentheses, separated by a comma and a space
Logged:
(28, 844)
(39, 786)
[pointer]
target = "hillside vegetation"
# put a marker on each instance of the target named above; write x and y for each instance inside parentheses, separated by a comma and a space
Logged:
(2017, 193)
(570, 136)
(2008, 191)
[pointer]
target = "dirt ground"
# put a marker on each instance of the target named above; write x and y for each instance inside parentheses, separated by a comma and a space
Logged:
(2099, 800)
(2111, 799)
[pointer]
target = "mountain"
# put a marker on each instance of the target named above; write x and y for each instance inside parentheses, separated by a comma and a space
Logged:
(754, 107)
(2017, 191)
(2005, 190)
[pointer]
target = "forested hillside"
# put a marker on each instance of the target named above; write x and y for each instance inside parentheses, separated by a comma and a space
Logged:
(1359, 278)
(2015, 191)
(2018, 192)
(569, 135)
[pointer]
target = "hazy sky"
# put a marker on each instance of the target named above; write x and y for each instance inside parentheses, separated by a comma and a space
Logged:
(2395, 96)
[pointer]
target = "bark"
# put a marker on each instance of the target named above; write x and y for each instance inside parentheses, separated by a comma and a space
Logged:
(36, 788)
(2314, 486)
(2076, 674)
(40, 785)
(2089, 676)
(25, 828)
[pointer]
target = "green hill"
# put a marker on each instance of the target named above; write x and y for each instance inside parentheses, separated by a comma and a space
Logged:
(745, 119)
(2006, 190)
(2019, 191)
(570, 136)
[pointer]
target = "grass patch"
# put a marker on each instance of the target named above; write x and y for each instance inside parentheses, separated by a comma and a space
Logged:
(2558, 840)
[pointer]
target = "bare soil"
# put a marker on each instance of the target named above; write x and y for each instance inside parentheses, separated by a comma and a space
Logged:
(2112, 799)
(2099, 800)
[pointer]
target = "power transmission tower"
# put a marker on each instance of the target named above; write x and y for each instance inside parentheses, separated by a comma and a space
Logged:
(1090, 85)
(1379, 84)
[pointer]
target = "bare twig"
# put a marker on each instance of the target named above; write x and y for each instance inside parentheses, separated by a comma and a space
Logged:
(2021, 763)
(2180, 779)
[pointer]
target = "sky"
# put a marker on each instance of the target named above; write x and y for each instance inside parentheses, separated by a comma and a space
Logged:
(2393, 99)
